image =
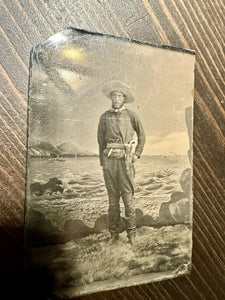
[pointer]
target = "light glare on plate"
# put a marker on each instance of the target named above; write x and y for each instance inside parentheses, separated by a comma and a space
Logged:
(57, 38)
(74, 55)
(74, 80)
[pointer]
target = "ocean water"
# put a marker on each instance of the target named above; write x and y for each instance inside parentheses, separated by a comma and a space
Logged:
(85, 196)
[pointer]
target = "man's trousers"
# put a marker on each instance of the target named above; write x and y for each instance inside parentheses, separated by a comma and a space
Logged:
(120, 183)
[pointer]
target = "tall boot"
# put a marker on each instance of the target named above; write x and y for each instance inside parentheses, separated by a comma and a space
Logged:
(130, 216)
(131, 235)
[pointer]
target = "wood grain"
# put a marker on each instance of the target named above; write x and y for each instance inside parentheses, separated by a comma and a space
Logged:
(198, 25)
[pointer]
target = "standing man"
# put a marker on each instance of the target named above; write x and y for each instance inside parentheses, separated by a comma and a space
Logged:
(118, 154)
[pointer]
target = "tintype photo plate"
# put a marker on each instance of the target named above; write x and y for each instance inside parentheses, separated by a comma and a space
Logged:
(109, 163)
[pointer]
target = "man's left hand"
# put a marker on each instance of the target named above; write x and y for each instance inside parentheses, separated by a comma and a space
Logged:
(134, 158)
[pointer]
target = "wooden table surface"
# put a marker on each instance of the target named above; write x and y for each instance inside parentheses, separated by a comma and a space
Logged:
(195, 24)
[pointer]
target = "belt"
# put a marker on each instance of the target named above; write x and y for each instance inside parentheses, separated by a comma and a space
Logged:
(115, 146)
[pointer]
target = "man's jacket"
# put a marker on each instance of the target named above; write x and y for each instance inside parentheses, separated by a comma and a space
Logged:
(119, 127)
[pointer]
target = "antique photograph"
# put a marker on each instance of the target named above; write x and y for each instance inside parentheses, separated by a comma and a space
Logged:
(109, 163)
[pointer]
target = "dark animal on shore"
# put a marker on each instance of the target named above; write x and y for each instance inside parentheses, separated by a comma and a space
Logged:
(53, 185)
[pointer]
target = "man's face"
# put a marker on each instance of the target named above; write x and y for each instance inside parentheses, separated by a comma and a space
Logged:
(118, 99)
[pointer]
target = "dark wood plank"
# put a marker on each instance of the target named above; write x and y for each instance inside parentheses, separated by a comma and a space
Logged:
(191, 24)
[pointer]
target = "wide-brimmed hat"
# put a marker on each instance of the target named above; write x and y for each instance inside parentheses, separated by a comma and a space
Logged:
(118, 86)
